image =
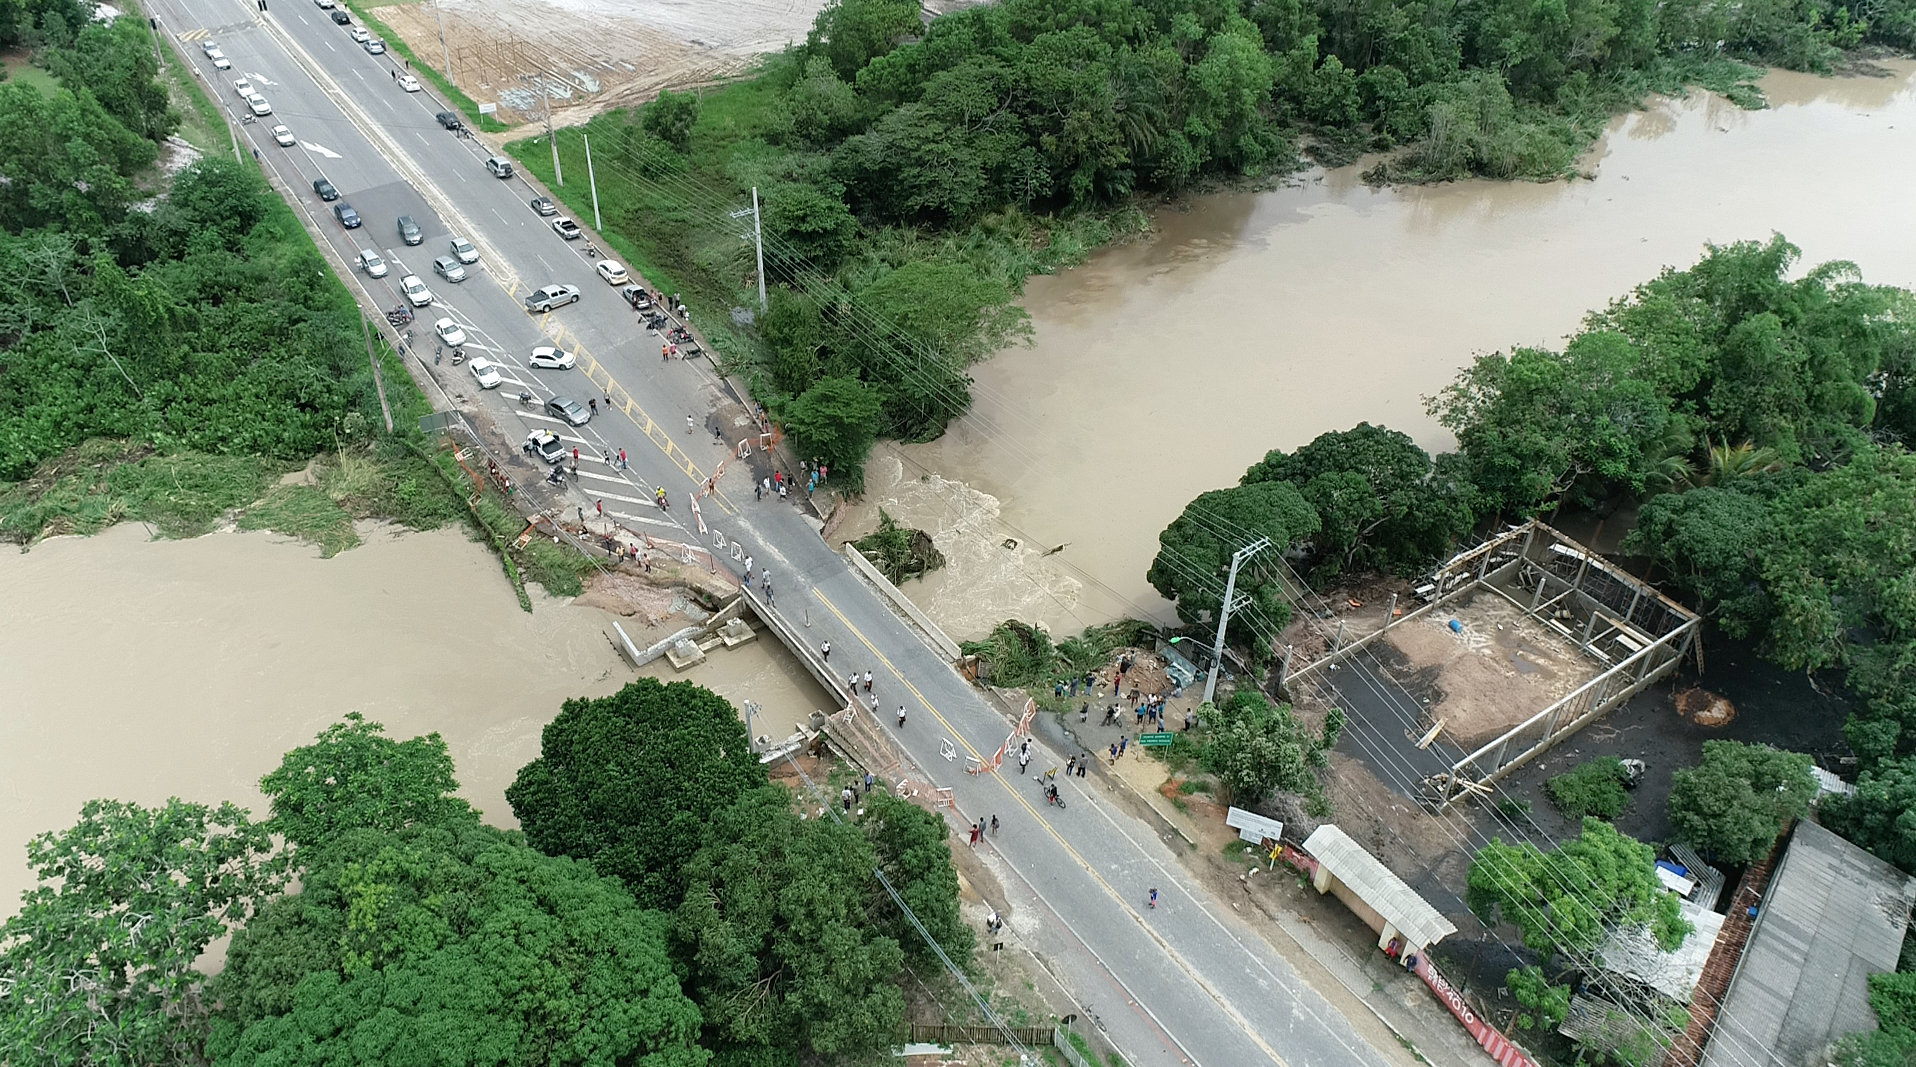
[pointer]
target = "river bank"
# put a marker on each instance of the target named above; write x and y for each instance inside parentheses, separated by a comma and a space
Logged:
(1254, 321)
(153, 668)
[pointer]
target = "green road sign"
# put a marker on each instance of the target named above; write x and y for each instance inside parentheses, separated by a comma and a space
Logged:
(1156, 740)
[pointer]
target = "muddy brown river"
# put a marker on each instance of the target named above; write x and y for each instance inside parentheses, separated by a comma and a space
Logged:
(144, 669)
(1255, 321)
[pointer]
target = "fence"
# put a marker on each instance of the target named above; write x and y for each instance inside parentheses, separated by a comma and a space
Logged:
(954, 1034)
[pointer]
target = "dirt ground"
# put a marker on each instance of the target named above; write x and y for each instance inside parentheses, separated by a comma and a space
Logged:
(1501, 669)
(593, 55)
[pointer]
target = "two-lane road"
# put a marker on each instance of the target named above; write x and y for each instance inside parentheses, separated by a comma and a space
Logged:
(1186, 982)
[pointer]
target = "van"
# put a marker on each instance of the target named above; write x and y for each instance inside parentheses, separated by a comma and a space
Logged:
(500, 166)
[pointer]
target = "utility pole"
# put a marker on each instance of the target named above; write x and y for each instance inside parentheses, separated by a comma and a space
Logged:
(1229, 604)
(758, 237)
(444, 50)
(592, 180)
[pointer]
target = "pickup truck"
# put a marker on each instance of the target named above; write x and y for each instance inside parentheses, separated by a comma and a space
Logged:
(548, 297)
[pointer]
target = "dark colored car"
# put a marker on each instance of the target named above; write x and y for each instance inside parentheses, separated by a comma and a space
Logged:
(346, 215)
(409, 230)
(449, 119)
(325, 189)
(543, 206)
(342, 18)
(570, 410)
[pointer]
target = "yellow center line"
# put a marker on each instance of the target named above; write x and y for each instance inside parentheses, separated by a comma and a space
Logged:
(1038, 818)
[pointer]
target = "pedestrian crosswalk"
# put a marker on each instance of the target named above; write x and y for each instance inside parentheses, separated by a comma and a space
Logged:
(195, 35)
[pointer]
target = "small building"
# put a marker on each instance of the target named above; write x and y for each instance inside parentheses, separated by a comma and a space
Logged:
(1350, 873)
(1833, 916)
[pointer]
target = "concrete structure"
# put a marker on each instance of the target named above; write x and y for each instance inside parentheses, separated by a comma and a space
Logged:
(1833, 916)
(1373, 893)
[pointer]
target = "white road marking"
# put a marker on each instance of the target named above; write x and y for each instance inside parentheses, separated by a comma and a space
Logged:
(604, 477)
(541, 418)
(614, 496)
(543, 263)
(643, 519)
(320, 149)
(260, 79)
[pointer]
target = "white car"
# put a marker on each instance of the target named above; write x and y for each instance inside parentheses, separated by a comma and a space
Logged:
(220, 62)
(370, 262)
(259, 105)
(284, 136)
(464, 250)
(243, 88)
(551, 358)
(324, 4)
(409, 83)
(209, 47)
(450, 332)
(487, 373)
(358, 33)
(613, 273)
(416, 290)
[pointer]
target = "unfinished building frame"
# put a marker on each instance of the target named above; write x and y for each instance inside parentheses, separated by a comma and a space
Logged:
(1636, 634)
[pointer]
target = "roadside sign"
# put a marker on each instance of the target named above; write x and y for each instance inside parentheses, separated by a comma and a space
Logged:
(1156, 740)
(1253, 827)
(488, 109)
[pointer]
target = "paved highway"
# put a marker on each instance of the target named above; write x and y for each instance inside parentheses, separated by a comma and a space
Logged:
(1184, 983)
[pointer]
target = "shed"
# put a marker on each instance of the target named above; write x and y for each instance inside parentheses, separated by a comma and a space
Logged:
(1833, 916)
(1634, 954)
(1369, 889)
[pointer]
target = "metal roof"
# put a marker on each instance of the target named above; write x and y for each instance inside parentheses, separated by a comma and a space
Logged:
(1400, 905)
(1633, 953)
(1833, 916)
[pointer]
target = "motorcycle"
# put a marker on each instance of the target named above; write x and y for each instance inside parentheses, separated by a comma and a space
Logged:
(680, 335)
(458, 356)
(526, 399)
(399, 316)
(660, 499)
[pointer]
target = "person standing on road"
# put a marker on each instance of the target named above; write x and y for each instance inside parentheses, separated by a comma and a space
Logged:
(689, 424)
(994, 826)
(1070, 766)
(592, 404)
(781, 492)
(748, 570)
(901, 716)
(1154, 896)
(825, 652)
(622, 463)
(1024, 760)
(758, 490)
(868, 681)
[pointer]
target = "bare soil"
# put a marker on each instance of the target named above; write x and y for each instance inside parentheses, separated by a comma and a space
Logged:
(1501, 669)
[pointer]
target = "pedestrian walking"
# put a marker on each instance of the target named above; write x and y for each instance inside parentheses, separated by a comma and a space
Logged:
(582, 516)
(994, 826)
(825, 652)
(1084, 714)
(1154, 896)
(688, 424)
(868, 681)
(868, 783)
(1070, 766)
(1024, 760)
(622, 463)
(1124, 743)
(665, 352)
(847, 797)
(901, 715)
(1114, 753)
(765, 582)
(592, 404)
(608, 404)
(575, 455)
(758, 490)
(781, 492)
(974, 836)
(748, 570)
(1081, 766)
(851, 682)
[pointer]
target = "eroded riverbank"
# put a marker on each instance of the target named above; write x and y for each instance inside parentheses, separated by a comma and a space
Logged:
(1254, 321)
(144, 669)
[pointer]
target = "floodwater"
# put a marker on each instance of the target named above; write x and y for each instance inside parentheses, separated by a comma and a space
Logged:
(141, 669)
(1258, 321)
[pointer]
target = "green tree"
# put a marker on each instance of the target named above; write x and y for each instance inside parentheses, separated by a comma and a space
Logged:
(117, 63)
(1379, 506)
(627, 782)
(1591, 788)
(434, 945)
(671, 117)
(1258, 748)
(97, 966)
(851, 33)
(1194, 553)
(836, 419)
(1881, 816)
(915, 856)
(1569, 899)
(353, 778)
(776, 934)
(1733, 804)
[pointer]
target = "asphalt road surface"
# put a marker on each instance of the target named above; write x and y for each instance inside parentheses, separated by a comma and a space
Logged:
(1184, 983)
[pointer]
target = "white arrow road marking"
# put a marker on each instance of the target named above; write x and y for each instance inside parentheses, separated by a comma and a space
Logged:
(321, 150)
(260, 79)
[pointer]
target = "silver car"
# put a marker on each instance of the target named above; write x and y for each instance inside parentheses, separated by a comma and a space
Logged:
(370, 262)
(463, 249)
(448, 268)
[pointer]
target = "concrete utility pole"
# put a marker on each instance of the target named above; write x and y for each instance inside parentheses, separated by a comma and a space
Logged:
(592, 180)
(557, 174)
(1225, 609)
(444, 50)
(757, 236)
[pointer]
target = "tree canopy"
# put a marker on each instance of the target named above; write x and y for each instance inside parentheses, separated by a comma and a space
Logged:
(97, 966)
(629, 781)
(1570, 898)
(1732, 805)
(776, 931)
(1194, 553)
(353, 777)
(1258, 748)
(433, 944)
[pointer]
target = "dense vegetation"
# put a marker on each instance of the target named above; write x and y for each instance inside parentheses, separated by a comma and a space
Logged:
(912, 175)
(376, 920)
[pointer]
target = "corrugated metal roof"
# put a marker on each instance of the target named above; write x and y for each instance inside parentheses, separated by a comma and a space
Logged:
(1634, 953)
(1833, 916)
(1400, 906)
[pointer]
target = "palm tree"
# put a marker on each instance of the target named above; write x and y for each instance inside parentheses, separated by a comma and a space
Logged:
(1729, 462)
